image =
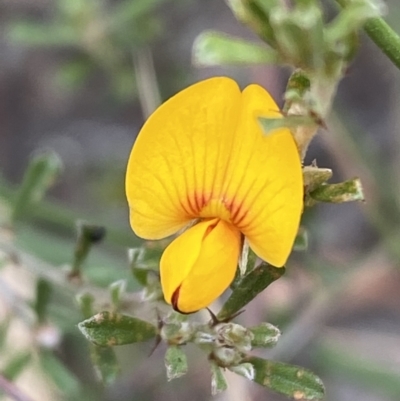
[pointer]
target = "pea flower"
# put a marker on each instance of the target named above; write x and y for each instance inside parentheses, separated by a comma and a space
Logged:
(202, 163)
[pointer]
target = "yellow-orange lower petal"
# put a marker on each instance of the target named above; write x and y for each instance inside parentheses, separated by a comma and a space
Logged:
(198, 266)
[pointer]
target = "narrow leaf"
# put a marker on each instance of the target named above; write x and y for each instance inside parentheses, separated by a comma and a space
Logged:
(265, 335)
(301, 241)
(352, 18)
(218, 382)
(41, 173)
(214, 48)
(117, 290)
(37, 34)
(85, 302)
(292, 381)
(244, 369)
(87, 235)
(108, 329)
(249, 287)
(271, 124)
(314, 176)
(43, 293)
(347, 191)
(105, 363)
(14, 367)
(175, 362)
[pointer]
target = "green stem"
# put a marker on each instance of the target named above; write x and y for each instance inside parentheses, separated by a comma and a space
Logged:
(383, 36)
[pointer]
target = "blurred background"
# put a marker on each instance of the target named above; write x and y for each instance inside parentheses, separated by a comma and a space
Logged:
(79, 77)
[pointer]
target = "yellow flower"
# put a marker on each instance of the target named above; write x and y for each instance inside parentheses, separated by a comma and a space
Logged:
(203, 158)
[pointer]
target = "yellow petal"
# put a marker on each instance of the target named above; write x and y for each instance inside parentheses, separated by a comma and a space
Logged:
(198, 266)
(264, 185)
(179, 154)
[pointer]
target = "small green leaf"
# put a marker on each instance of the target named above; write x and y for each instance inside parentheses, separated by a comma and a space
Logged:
(351, 18)
(271, 124)
(108, 329)
(299, 83)
(249, 287)
(175, 362)
(218, 382)
(244, 369)
(117, 290)
(292, 381)
(215, 48)
(37, 34)
(41, 173)
(144, 263)
(85, 302)
(135, 258)
(299, 34)
(301, 240)
(43, 293)
(265, 335)
(105, 363)
(126, 12)
(347, 191)
(314, 176)
(256, 15)
(88, 234)
(15, 367)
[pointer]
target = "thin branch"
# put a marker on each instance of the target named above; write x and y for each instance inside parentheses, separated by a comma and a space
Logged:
(146, 79)
(383, 36)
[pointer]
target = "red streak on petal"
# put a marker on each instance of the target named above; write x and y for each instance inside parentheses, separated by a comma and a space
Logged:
(199, 201)
(174, 302)
(239, 220)
(192, 209)
(210, 228)
(174, 299)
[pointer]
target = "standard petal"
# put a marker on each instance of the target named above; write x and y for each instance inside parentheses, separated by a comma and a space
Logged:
(198, 266)
(264, 185)
(181, 153)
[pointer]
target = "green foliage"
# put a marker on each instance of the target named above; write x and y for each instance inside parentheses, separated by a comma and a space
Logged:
(41, 173)
(43, 294)
(301, 241)
(347, 191)
(264, 335)
(249, 287)
(292, 381)
(105, 363)
(108, 329)
(218, 382)
(214, 48)
(175, 362)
